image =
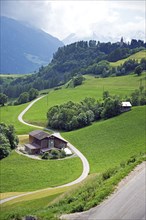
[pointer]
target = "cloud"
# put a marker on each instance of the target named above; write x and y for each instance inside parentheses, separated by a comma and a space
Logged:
(61, 18)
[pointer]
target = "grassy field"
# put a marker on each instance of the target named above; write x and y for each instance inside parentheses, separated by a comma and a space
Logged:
(20, 173)
(14, 75)
(92, 87)
(137, 56)
(107, 143)
(9, 115)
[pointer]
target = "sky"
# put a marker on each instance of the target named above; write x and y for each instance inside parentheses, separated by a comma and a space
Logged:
(103, 18)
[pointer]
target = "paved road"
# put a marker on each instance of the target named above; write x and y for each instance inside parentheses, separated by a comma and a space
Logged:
(85, 163)
(128, 203)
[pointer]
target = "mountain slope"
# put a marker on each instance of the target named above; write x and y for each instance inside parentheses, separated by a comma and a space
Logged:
(24, 49)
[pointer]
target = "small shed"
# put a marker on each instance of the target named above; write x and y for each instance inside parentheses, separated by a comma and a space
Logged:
(126, 106)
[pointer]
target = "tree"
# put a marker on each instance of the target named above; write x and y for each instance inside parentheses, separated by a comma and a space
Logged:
(13, 139)
(3, 99)
(90, 116)
(143, 63)
(112, 107)
(33, 93)
(23, 98)
(4, 146)
(138, 70)
(8, 139)
(82, 119)
(78, 80)
(106, 95)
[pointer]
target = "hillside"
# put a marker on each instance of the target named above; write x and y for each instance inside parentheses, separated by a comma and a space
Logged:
(79, 58)
(92, 87)
(137, 56)
(107, 143)
(23, 48)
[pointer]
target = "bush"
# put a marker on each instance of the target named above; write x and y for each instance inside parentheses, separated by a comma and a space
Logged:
(54, 154)
(131, 160)
(45, 156)
(107, 174)
(62, 154)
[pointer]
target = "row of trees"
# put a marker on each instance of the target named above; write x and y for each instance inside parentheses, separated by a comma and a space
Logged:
(8, 140)
(70, 116)
(27, 96)
(23, 98)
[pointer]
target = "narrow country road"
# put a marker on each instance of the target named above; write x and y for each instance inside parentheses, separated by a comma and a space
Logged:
(85, 163)
(128, 203)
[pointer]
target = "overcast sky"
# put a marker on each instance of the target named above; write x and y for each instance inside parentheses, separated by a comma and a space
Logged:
(61, 18)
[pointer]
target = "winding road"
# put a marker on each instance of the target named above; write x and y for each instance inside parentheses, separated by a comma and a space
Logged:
(85, 163)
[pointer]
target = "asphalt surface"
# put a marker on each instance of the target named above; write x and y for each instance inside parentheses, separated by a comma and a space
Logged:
(128, 203)
(85, 163)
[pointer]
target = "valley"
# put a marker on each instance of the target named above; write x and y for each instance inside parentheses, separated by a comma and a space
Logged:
(96, 141)
(112, 147)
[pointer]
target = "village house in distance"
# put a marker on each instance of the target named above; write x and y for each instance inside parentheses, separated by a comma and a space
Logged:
(41, 142)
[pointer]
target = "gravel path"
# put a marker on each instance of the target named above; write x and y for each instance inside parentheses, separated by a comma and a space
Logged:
(85, 163)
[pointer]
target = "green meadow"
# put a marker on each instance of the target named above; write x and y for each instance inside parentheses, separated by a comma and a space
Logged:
(92, 87)
(107, 143)
(20, 173)
(9, 115)
(14, 75)
(137, 56)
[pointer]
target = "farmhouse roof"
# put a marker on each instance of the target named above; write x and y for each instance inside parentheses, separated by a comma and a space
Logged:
(126, 104)
(38, 134)
(53, 135)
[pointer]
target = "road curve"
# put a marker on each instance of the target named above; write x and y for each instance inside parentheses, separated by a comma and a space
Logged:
(128, 203)
(86, 167)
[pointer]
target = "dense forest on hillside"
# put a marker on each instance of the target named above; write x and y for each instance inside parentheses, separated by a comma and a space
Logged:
(78, 58)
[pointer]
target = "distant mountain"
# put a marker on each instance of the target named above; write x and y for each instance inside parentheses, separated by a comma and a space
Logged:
(24, 49)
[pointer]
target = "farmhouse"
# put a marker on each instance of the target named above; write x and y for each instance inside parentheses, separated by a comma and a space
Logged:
(126, 106)
(40, 142)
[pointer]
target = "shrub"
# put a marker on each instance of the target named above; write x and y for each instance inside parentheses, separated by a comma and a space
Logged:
(62, 154)
(107, 174)
(131, 160)
(54, 154)
(45, 156)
